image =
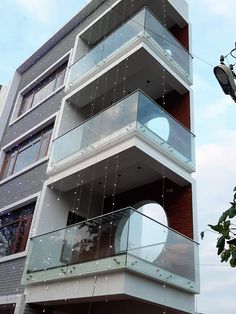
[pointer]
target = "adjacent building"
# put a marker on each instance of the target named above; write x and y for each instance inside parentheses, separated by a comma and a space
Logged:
(97, 199)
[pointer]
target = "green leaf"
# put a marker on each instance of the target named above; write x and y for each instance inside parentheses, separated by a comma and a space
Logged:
(233, 262)
(220, 245)
(232, 241)
(233, 253)
(226, 224)
(225, 256)
(217, 228)
(232, 212)
(225, 233)
(224, 216)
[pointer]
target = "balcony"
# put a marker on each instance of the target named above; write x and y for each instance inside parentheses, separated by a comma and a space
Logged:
(122, 240)
(136, 114)
(143, 25)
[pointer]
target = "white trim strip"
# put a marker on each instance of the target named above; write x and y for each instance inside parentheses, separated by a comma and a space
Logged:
(22, 202)
(13, 256)
(8, 299)
(35, 164)
(32, 84)
(38, 104)
(33, 130)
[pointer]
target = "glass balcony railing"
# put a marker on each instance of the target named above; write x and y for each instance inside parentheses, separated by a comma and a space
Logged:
(122, 239)
(142, 24)
(135, 112)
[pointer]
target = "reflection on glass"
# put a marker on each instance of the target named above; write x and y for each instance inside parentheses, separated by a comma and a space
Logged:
(141, 227)
(100, 129)
(142, 24)
(124, 238)
(136, 111)
(160, 126)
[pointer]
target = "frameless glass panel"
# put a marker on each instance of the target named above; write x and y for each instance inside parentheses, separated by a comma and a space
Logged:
(121, 238)
(108, 47)
(152, 210)
(159, 125)
(178, 256)
(98, 130)
(160, 252)
(170, 134)
(48, 251)
(150, 119)
(168, 43)
(146, 237)
(143, 22)
(82, 242)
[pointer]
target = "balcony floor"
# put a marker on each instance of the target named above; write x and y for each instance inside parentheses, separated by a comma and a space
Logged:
(119, 285)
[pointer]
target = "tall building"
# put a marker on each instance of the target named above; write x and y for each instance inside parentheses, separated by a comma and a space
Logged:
(3, 95)
(97, 199)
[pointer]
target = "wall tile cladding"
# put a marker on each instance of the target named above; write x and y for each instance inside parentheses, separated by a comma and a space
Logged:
(51, 105)
(10, 276)
(33, 118)
(22, 186)
(48, 59)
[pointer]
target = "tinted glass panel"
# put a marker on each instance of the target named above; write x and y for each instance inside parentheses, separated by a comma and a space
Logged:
(26, 153)
(14, 229)
(27, 156)
(7, 238)
(43, 89)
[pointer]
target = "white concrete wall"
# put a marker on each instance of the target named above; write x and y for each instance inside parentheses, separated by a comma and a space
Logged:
(3, 94)
(112, 285)
(181, 6)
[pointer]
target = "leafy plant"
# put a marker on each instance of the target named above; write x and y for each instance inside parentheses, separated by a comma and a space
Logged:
(226, 243)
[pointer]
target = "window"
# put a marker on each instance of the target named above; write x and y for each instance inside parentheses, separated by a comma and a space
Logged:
(43, 89)
(14, 230)
(26, 153)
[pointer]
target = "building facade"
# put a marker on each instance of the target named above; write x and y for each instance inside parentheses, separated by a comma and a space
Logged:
(97, 199)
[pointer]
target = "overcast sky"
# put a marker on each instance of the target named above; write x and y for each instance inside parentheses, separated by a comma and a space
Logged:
(26, 24)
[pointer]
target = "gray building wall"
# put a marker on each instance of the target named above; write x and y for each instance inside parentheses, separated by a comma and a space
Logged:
(10, 277)
(36, 116)
(31, 181)
(23, 185)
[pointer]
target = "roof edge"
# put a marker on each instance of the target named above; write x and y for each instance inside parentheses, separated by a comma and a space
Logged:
(85, 11)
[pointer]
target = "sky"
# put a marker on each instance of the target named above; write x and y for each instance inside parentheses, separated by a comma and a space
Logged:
(26, 24)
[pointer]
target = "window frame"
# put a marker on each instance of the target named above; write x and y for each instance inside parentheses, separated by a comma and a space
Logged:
(19, 221)
(14, 152)
(19, 94)
(39, 87)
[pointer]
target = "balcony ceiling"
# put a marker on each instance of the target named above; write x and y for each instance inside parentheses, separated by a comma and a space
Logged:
(115, 305)
(118, 15)
(135, 169)
(143, 72)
